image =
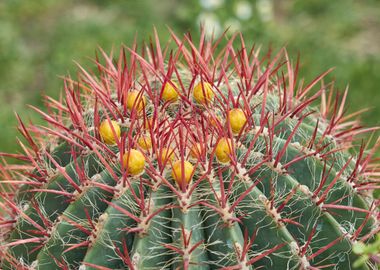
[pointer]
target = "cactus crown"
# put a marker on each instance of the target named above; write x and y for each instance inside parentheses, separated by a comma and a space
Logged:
(199, 157)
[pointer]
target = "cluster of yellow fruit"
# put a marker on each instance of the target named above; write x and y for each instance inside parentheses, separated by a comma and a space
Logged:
(134, 160)
(202, 93)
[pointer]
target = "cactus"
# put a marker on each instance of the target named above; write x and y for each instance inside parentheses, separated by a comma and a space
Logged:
(191, 156)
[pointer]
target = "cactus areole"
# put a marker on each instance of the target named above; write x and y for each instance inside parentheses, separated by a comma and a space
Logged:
(190, 155)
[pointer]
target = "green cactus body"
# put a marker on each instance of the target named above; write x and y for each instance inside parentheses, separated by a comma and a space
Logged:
(202, 157)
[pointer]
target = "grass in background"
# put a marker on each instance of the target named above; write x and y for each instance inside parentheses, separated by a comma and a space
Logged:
(40, 39)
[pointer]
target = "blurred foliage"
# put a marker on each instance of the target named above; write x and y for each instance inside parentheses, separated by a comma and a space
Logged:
(40, 39)
(368, 252)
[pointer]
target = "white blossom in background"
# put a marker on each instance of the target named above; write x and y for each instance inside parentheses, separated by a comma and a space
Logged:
(243, 10)
(211, 4)
(210, 23)
(233, 25)
(265, 9)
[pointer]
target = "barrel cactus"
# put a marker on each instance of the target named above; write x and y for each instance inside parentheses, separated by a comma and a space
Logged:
(192, 155)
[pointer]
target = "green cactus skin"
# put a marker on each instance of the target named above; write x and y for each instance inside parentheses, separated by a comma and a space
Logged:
(293, 193)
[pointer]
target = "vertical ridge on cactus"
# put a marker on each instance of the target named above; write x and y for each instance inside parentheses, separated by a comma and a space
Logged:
(193, 156)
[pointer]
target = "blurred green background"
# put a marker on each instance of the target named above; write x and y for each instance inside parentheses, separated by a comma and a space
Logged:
(39, 39)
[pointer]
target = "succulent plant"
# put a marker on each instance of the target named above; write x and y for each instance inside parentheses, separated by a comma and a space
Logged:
(192, 155)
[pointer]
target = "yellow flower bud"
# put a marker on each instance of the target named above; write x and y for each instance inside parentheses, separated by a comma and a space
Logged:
(179, 175)
(148, 123)
(145, 142)
(167, 155)
(195, 151)
(223, 150)
(237, 120)
(203, 93)
(136, 100)
(134, 161)
(108, 135)
(170, 92)
(214, 120)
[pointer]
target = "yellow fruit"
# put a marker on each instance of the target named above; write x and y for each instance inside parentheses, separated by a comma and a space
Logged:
(108, 135)
(195, 151)
(134, 162)
(223, 150)
(167, 155)
(237, 120)
(214, 120)
(203, 93)
(136, 100)
(179, 175)
(170, 92)
(145, 142)
(148, 123)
